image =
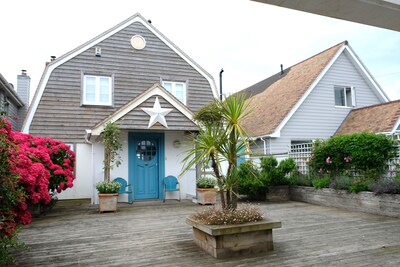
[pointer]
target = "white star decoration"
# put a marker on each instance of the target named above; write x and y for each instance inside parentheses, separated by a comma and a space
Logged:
(157, 114)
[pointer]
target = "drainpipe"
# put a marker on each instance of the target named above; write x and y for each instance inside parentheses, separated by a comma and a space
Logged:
(87, 140)
(220, 84)
(265, 145)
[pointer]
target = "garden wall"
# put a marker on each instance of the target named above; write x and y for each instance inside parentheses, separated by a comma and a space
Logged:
(382, 204)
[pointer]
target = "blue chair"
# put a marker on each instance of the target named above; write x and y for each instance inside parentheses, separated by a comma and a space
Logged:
(171, 184)
(125, 188)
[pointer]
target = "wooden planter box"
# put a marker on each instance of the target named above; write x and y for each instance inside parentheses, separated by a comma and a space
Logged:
(108, 202)
(382, 204)
(206, 196)
(278, 193)
(223, 241)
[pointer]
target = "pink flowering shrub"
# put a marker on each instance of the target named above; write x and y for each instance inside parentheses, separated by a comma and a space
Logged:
(39, 166)
(45, 165)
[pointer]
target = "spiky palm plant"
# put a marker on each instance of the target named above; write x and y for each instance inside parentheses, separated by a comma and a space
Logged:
(220, 139)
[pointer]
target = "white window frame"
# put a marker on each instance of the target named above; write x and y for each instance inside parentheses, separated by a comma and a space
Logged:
(174, 89)
(97, 91)
(352, 94)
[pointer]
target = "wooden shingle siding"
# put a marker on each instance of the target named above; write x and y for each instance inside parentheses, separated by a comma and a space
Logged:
(60, 114)
(140, 120)
(318, 117)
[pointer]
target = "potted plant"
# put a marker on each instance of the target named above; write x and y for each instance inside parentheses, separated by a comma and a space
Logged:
(108, 190)
(108, 195)
(206, 191)
(222, 139)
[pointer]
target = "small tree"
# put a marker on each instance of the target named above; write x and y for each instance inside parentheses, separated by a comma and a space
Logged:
(220, 139)
(112, 146)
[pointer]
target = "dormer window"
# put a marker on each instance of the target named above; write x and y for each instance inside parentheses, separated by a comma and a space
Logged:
(177, 89)
(97, 90)
(344, 96)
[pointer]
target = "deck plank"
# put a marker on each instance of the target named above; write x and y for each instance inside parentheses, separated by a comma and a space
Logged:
(155, 234)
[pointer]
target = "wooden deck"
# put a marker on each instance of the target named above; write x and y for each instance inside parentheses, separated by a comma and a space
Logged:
(155, 234)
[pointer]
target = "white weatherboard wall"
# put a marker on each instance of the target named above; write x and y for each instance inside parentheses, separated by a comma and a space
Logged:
(318, 117)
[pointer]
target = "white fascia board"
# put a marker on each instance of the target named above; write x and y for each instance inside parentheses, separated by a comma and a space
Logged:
(73, 53)
(127, 108)
(396, 126)
(273, 135)
(277, 131)
(367, 74)
(36, 99)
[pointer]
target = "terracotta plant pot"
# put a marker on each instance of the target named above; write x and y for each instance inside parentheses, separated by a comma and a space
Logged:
(206, 196)
(108, 202)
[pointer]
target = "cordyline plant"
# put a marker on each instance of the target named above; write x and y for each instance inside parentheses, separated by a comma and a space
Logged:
(221, 138)
(112, 146)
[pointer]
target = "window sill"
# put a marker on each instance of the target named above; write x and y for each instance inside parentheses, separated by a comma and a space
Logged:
(97, 105)
(344, 107)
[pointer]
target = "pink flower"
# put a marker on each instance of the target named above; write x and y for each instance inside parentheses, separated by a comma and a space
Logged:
(328, 160)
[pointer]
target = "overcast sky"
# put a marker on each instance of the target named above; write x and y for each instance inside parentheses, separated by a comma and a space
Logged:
(249, 40)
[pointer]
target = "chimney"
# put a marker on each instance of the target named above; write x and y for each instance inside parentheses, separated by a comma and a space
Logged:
(52, 58)
(23, 87)
(282, 72)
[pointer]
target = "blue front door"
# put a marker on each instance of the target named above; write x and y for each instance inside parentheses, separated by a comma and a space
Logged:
(145, 169)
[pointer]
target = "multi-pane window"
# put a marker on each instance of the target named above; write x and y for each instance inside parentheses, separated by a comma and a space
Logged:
(344, 96)
(97, 90)
(177, 89)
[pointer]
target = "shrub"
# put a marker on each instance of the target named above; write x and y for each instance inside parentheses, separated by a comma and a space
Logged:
(206, 182)
(387, 185)
(359, 185)
(217, 216)
(300, 179)
(274, 174)
(321, 182)
(31, 170)
(12, 199)
(249, 180)
(366, 153)
(341, 183)
(44, 165)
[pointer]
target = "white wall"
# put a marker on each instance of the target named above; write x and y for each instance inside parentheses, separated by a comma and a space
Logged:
(173, 163)
(88, 173)
(318, 117)
(83, 174)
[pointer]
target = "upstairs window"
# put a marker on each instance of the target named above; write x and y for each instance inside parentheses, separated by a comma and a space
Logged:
(97, 90)
(344, 96)
(177, 89)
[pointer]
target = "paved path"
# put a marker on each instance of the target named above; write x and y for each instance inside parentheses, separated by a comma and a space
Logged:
(155, 234)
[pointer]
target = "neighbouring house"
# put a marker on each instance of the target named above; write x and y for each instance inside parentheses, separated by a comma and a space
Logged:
(13, 104)
(309, 100)
(381, 118)
(134, 76)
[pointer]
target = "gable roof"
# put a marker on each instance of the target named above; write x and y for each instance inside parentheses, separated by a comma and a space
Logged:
(155, 90)
(381, 118)
(273, 101)
(64, 58)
